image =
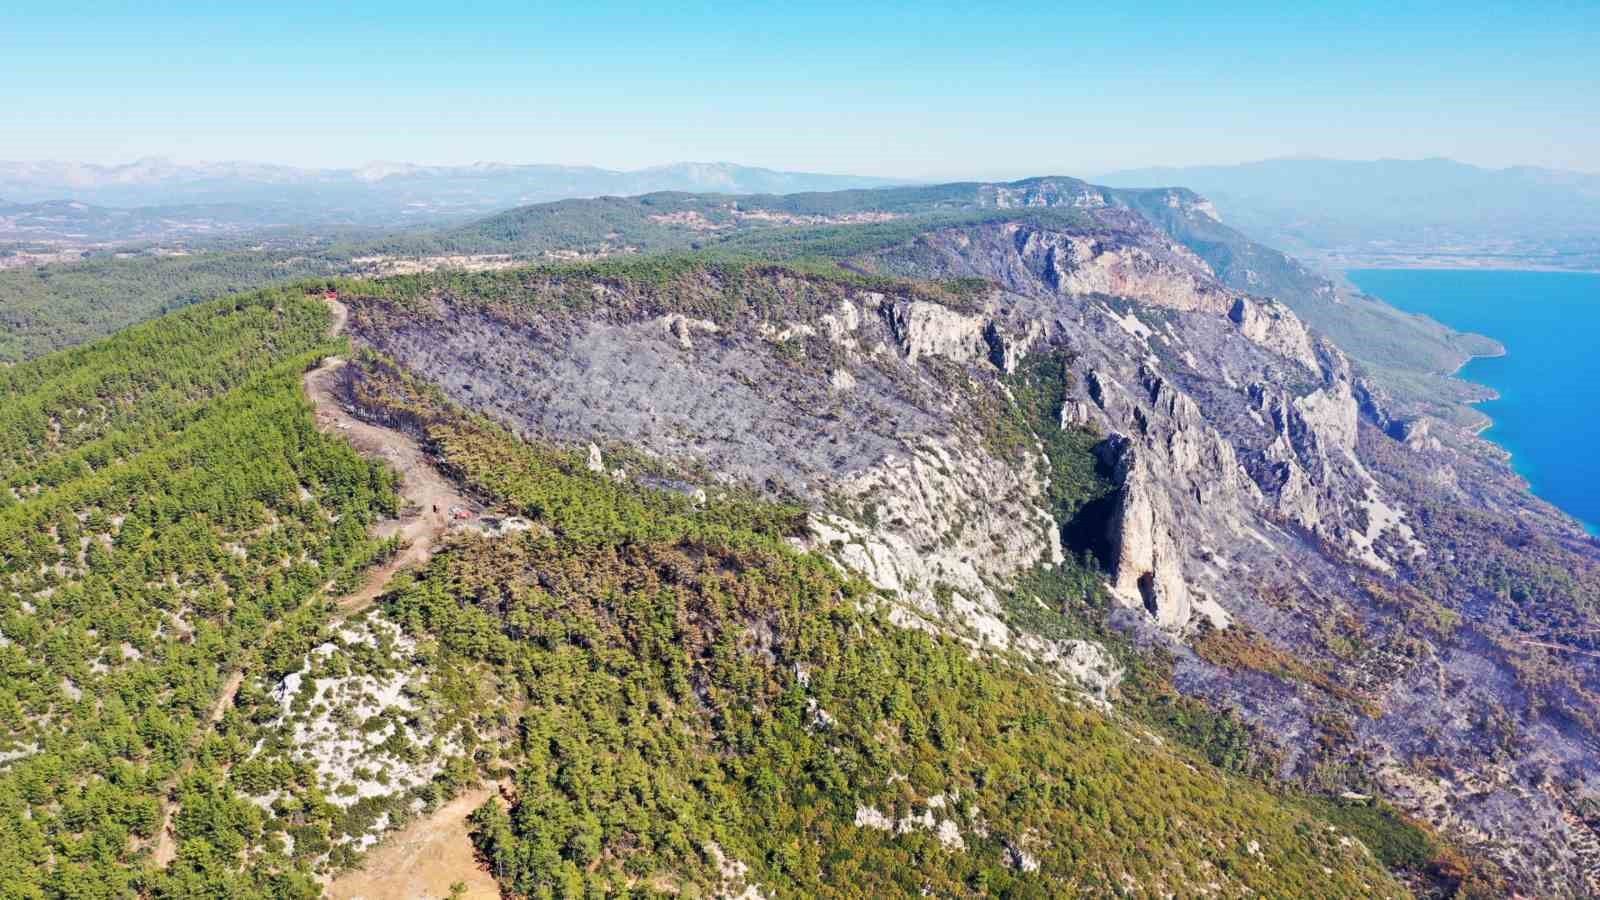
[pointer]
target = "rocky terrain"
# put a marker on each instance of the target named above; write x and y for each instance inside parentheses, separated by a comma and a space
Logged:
(1294, 546)
(1005, 537)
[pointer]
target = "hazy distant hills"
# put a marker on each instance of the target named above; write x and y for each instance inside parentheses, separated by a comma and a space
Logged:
(71, 221)
(245, 195)
(1340, 213)
(1430, 211)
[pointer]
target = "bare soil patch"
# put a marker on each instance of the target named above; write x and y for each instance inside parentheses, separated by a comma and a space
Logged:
(423, 859)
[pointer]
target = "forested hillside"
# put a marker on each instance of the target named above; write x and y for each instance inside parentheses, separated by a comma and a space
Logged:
(167, 507)
(54, 307)
(972, 540)
(683, 701)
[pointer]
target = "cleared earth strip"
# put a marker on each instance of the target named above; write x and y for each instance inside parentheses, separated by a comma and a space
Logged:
(426, 497)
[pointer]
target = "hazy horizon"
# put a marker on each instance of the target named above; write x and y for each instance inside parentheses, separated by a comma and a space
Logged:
(400, 163)
(924, 92)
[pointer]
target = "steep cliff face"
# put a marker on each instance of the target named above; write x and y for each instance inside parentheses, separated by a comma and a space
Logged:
(1248, 495)
(867, 406)
(1146, 562)
(1279, 409)
(1253, 490)
(1272, 325)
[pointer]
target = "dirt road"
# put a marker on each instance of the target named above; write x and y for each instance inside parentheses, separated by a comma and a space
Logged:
(166, 842)
(422, 490)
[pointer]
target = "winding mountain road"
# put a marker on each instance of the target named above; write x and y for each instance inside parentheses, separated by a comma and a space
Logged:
(422, 489)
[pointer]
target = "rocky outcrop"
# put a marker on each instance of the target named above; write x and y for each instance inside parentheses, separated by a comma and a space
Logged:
(1169, 467)
(1046, 192)
(1328, 417)
(1087, 663)
(682, 328)
(1168, 276)
(924, 329)
(1146, 565)
(1275, 327)
(1019, 857)
(1122, 258)
(1311, 471)
(940, 526)
(1192, 204)
(841, 324)
(1415, 433)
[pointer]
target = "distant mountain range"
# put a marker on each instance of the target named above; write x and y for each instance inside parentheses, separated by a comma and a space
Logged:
(1401, 212)
(1340, 214)
(232, 196)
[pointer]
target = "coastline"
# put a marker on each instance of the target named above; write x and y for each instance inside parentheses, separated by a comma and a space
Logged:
(1456, 372)
(1484, 424)
(1465, 264)
(1488, 421)
(1587, 527)
(1494, 394)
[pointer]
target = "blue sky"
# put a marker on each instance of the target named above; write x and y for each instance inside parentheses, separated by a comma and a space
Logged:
(925, 89)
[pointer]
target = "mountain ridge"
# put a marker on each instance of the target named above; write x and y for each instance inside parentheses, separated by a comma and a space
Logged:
(1405, 353)
(958, 533)
(1398, 212)
(378, 189)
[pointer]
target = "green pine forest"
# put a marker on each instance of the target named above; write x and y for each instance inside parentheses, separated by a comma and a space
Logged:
(167, 507)
(682, 702)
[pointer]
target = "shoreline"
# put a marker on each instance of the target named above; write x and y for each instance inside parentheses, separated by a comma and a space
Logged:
(1487, 423)
(1476, 264)
(1590, 529)
(1456, 372)
(1494, 394)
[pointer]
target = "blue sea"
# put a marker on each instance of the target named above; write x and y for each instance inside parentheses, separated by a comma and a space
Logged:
(1548, 414)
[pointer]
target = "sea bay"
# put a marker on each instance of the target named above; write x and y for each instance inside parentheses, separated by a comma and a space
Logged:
(1548, 410)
